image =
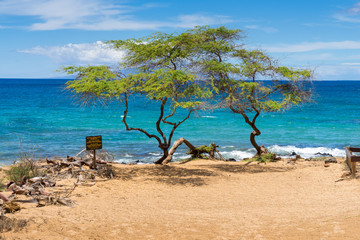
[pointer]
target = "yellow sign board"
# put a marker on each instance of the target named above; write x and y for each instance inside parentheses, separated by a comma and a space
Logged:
(93, 142)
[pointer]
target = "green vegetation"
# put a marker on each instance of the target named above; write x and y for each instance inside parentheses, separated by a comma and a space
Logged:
(237, 76)
(265, 157)
(157, 67)
(25, 167)
(200, 68)
(199, 151)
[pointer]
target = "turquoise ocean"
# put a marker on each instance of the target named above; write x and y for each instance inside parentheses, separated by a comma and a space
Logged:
(38, 116)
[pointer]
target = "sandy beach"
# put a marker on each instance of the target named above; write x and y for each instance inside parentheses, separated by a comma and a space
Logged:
(205, 200)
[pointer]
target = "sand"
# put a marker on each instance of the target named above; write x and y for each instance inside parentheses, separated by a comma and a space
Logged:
(205, 200)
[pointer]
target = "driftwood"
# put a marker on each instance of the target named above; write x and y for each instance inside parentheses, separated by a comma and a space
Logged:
(175, 146)
(196, 152)
(68, 167)
(4, 198)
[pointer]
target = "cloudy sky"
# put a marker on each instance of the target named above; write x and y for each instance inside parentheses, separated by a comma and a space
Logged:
(37, 37)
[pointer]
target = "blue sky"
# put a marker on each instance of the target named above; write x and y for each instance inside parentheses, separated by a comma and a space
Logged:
(37, 37)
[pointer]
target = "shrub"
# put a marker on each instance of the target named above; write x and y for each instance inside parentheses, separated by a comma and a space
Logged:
(267, 157)
(25, 167)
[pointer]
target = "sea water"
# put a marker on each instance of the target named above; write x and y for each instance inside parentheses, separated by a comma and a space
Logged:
(38, 116)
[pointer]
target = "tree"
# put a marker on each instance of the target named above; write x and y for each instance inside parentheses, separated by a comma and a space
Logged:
(156, 67)
(237, 75)
(182, 71)
(286, 89)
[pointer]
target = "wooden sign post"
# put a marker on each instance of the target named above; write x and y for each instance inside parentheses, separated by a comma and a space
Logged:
(94, 143)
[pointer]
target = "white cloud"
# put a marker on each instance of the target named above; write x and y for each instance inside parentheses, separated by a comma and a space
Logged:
(79, 54)
(349, 15)
(192, 20)
(355, 9)
(265, 29)
(338, 72)
(58, 14)
(313, 46)
(95, 15)
(345, 18)
(351, 64)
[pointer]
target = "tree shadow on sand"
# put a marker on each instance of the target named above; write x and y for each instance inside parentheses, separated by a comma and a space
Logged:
(176, 175)
(246, 168)
(167, 174)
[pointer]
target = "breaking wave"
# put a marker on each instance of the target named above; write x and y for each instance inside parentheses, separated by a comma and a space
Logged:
(287, 152)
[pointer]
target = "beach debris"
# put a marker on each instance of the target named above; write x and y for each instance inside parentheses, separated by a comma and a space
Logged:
(50, 171)
(331, 160)
(4, 198)
(340, 179)
(195, 152)
(326, 165)
(11, 207)
(346, 174)
(54, 200)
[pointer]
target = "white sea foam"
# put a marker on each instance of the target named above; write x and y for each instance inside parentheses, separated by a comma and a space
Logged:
(307, 152)
(227, 146)
(123, 160)
(209, 117)
(155, 154)
(238, 154)
(181, 157)
(286, 152)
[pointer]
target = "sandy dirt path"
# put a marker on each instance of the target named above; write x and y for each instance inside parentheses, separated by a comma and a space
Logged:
(206, 200)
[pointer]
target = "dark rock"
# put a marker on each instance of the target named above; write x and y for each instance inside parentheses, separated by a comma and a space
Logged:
(297, 157)
(323, 154)
(293, 154)
(231, 160)
(330, 160)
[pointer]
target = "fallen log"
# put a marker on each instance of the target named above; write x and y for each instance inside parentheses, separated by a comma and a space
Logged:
(196, 152)
(175, 146)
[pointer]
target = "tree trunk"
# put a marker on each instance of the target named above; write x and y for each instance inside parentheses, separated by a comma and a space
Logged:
(259, 150)
(256, 132)
(253, 142)
(174, 147)
(165, 155)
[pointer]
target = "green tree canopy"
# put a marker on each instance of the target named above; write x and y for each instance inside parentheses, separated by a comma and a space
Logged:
(182, 71)
(157, 67)
(238, 75)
